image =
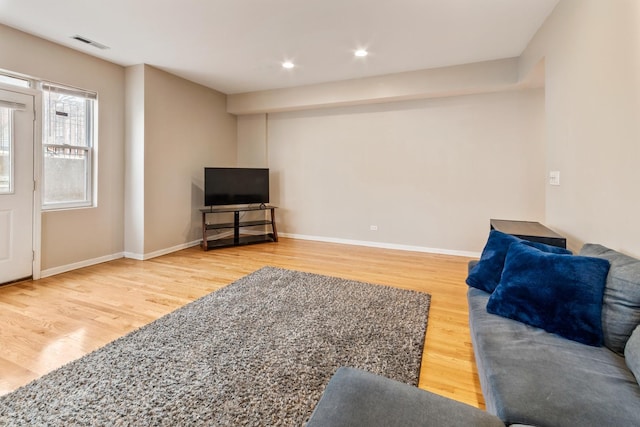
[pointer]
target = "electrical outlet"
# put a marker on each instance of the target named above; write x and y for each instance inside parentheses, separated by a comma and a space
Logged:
(554, 177)
(373, 227)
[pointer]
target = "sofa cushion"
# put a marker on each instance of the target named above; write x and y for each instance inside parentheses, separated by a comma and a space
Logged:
(632, 353)
(621, 304)
(561, 294)
(355, 397)
(530, 376)
(486, 273)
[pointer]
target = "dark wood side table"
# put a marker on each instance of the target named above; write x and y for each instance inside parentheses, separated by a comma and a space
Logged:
(529, 230)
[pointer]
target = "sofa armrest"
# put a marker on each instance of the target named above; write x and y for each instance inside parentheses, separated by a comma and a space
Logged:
(355, 397)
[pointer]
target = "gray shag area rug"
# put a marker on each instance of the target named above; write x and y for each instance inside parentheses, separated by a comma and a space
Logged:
(257, 352)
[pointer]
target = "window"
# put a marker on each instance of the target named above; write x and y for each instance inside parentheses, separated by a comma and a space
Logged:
(68, 147)
(6, 150)
(14, 81)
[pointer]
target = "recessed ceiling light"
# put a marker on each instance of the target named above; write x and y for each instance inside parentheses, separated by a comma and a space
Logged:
(288, 65)
(361, 53)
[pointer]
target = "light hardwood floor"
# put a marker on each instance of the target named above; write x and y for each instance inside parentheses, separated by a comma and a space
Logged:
(46, 323)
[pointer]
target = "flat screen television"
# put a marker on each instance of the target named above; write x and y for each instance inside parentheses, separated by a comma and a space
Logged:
(235, 186)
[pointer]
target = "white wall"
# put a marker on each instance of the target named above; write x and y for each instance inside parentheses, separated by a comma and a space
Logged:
(428, 173)
(591, 50)
(72, 237)
(134, 161)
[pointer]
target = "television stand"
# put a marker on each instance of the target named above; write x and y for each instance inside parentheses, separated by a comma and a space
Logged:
(249, 236)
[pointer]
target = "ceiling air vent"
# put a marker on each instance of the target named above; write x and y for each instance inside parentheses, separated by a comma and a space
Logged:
(89, 41)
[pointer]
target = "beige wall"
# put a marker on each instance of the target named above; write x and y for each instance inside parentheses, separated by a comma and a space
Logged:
(428, 173)
(475, 156)
(587, 54)
(186, 127)
(172, 128)
(463, 144)
(252, 141)
(71, 237)
(591, 50)
(480, 77)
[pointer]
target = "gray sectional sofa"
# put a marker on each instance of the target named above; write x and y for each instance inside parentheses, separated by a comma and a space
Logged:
(356, 398)
(533, 377)
(529, 376)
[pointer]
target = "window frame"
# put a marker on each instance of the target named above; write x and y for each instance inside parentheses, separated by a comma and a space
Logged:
(89, 150)
(15, 80)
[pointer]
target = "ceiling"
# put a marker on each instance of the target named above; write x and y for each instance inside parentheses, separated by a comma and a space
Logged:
(238, 46)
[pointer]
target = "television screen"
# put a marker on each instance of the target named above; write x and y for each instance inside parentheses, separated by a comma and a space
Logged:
(235, 186)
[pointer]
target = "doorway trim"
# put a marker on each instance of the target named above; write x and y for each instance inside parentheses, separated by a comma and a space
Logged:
(37, 173)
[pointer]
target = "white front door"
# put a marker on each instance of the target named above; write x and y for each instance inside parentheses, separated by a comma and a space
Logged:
(16, 185)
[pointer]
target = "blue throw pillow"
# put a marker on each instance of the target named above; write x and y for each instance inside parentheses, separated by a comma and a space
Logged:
(561, 294)
(486, 273)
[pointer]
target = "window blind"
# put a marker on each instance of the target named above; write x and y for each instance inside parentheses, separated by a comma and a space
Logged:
(51, 87)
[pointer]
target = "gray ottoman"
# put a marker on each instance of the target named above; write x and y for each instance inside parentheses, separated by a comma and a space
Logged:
(358, 398)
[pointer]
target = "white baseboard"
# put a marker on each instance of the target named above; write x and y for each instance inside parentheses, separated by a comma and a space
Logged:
(86, 263)
(381, 245)
(142, 257)
(146, 256)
